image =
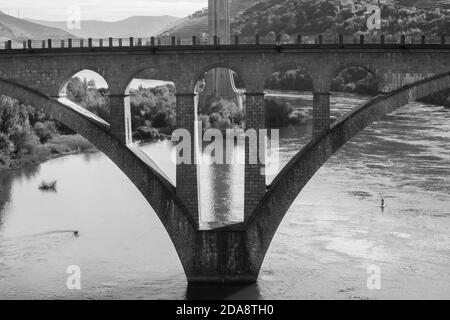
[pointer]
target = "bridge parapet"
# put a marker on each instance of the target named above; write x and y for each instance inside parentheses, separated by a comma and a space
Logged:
(198, 41)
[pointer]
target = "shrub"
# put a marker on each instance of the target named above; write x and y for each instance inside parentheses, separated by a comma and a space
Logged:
(45, 130)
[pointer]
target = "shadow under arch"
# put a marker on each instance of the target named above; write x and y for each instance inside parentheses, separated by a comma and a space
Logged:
(142, 172)
(285, 188)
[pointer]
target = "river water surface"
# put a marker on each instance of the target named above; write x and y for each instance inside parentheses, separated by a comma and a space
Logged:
(333, 232)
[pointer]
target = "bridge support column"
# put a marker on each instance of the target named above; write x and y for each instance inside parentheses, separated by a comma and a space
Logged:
(186, 175)
(222, 257)
(120, 118)
(321, 113)
(255, 179)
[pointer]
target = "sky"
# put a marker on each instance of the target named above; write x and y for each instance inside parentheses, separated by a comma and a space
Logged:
(106, 10)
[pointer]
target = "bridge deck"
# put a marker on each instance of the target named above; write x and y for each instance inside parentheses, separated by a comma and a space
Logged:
(231, 48)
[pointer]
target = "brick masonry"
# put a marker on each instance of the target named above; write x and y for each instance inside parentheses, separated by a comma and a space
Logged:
(321, 113)
(236, 253)
(187, 185)
(255, 179)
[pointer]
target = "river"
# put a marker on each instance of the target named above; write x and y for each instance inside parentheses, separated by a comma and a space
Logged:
(333, 232)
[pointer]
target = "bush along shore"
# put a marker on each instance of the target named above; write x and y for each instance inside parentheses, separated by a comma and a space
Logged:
(28, 137)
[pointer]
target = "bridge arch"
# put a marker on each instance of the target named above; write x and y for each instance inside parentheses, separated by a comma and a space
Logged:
(149, 72)
(216, 65)
(68, 75)
(142, 172)
(375, 71)
(266, 218)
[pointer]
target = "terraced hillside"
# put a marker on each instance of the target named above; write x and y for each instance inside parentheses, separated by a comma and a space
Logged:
(197, 23)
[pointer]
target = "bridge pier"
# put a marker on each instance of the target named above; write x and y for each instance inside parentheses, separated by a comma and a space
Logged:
(321, 113)
(222, 257)
(120, 118)
(186, 173)
(255, 179)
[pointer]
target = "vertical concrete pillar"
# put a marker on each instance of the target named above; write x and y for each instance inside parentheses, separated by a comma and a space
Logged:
(255, 179)
(186, 175)
(321, 113)
(120, 118)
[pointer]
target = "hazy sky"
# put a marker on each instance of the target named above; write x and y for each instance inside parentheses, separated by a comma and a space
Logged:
(107, 10)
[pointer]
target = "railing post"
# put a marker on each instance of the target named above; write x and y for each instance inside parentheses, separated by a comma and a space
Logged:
(110, 40)
(29, 44)
(131, 44)
(382, 39)
(216, 40)
(69, 43)
(423, 40)
(49, 43)
(178, 41)
(236, 40)
(43, 44)
(257, 40)
(120, 42)
(174, 40)
(320, 39)
(152, 41)
(361, 39)
(194, 40)
(9, 44)
(24, 44)
(90, 42)
(100, 43)
(81, 43)
(299, 39)
(63, 43)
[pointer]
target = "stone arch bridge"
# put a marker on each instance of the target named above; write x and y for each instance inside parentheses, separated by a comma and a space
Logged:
(233, 253)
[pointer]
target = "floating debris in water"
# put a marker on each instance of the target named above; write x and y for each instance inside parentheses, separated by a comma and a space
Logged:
(48, 186)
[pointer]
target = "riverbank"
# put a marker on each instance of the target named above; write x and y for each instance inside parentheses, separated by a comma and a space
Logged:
(58, 146)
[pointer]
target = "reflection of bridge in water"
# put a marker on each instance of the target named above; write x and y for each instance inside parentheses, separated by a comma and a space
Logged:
(36, 76)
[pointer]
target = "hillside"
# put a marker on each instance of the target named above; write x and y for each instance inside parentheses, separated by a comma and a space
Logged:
(12, 28)
(197, 23)
(311, 17)
(138, 26)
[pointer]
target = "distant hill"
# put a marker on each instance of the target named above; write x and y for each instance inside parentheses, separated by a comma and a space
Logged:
(138, 26)
(12, 28)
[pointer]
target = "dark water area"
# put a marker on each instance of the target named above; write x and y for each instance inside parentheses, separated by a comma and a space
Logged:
(333, 232)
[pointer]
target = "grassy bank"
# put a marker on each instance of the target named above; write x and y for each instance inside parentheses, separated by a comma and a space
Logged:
(58, 146)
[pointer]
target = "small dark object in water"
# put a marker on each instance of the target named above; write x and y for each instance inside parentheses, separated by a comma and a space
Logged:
(383, 204)
(76, 234)
(48, 186)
